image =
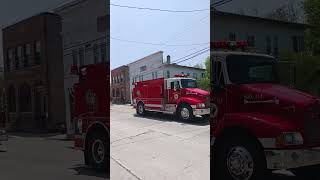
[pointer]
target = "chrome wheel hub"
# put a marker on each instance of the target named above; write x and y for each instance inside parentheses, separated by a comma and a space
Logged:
(140, 109)
(185, 114)
(240, 163)
(98, 151)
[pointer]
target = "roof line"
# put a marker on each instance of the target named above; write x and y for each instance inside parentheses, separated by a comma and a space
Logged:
(223, 13)
(146, 57)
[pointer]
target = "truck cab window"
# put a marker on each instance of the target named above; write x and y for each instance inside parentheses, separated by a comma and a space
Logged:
(217, 77)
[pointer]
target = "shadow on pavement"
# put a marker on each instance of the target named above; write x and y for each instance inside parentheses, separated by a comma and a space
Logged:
(87, 171)
(172, 118)
(33, 134)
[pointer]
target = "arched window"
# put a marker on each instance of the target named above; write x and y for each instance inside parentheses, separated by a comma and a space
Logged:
(25, 98)
(12, 99)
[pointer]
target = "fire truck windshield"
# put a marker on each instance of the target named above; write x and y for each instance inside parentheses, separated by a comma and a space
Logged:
(246, 69)
(188, 83)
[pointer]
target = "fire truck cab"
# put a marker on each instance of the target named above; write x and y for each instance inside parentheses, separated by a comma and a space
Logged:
(179, 95)
(257, 124)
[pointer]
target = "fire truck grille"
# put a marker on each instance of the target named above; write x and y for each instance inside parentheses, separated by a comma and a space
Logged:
(312, 129)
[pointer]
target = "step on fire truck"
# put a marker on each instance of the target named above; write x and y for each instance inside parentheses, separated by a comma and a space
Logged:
(178, 95)
(258, 125)
(92, 112)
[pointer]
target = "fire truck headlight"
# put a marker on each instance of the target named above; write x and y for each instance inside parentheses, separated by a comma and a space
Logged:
(201, 105)
(289, 139)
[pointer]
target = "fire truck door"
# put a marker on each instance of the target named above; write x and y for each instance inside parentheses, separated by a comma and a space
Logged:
(218, 97)
(174, 92)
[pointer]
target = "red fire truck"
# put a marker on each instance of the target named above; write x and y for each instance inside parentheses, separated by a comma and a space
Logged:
(258, 125)
(178, 95)
(91, 96)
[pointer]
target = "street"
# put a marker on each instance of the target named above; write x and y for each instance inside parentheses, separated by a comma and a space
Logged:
(44, 157)
(157, 146)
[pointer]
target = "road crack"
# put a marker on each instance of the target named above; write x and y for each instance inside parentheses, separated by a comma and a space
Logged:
(127, 169)
(134, 136)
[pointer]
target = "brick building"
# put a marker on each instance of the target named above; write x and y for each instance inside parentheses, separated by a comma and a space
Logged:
(33, 73)
(120, 85)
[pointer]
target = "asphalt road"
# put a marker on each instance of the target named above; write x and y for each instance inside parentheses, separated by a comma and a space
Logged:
(157, 147)
(160, 147)
(43, 157)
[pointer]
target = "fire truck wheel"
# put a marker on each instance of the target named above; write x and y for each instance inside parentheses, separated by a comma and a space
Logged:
(97, 151)
(140, 109)
(185, 112)
(239, 158)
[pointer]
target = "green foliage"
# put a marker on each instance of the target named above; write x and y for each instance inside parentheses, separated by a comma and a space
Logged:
(312, 11)
(307, 72)
(204, 83)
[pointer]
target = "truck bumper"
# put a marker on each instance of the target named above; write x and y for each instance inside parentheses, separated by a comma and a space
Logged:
(3, 135)
(201, 112)
(289, 159)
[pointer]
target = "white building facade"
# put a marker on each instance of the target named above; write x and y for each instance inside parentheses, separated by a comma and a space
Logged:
(85, 32)
(154, 66)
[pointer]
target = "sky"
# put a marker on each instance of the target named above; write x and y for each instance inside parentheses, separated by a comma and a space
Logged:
(158, 28)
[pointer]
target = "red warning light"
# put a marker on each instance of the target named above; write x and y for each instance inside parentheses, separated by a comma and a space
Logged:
(181, 75)
(229, 45)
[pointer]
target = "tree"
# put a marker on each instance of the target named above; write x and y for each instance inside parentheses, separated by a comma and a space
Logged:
(312, 11)
(204, 83)
(288, 13)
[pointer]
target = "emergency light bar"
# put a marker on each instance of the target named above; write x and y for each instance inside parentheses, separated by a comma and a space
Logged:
(229, 45)
(181, 75)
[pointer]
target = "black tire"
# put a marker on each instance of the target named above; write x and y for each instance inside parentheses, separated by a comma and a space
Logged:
(141, 111)
(226, 159)
(182, 110)
(98, 151)
(310, 172)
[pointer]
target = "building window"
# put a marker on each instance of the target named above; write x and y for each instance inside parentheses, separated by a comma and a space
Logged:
(37, 52)
(25, 98)
(203, 75)
(19, 57)
(195, 75)
(103, 52)
(12, 99)
(95, 53)
(10, 58)
(168, 74)
(26, 54)
(75, 57)
(268, 45)
(276, 46)
(298, 43)
(232, 36)
(102, 23)
(121, 78)
(81, 56)
(251, 41)
(143, 68)
(113, 93)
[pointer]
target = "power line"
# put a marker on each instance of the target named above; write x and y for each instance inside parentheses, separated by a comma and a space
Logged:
(158, 44)
(198, 54)
(156, 9)
(220, 3)
(191, 54)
